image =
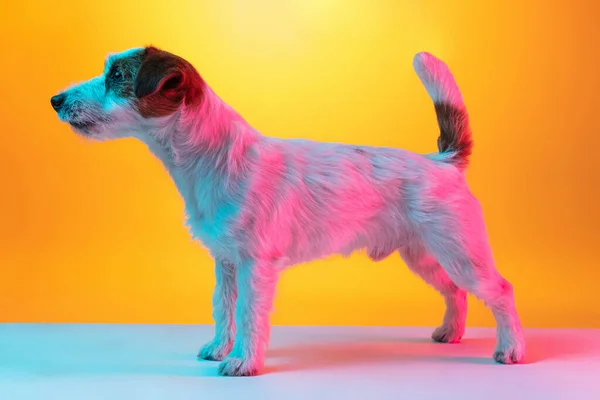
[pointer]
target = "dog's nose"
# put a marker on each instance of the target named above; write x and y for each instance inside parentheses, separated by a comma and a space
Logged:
(57, 101)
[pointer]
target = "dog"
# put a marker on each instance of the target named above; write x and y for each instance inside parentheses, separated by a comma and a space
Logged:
(261, 204)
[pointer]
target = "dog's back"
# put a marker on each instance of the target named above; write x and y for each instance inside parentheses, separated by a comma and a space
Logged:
(307, 199)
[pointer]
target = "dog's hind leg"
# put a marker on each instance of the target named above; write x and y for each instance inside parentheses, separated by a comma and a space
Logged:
(458, 240)
(425, 266)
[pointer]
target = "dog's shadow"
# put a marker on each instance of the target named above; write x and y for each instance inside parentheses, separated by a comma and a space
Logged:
(366, 352)
(412, 350)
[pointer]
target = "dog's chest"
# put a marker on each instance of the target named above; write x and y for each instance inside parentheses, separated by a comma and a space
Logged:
(213, 229)
(209, 210)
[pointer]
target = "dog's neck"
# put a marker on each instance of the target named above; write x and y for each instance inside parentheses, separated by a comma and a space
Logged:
(205, 149)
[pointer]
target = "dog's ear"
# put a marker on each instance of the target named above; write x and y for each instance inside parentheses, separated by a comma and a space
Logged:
(164, 81)
(160, 73)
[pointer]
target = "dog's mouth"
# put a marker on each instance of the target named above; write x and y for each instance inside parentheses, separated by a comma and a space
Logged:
(83, 126)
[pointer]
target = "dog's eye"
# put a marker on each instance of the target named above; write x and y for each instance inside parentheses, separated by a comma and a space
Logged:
(116, 75)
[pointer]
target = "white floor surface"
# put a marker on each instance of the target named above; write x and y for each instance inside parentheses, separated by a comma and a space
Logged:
(113, 362)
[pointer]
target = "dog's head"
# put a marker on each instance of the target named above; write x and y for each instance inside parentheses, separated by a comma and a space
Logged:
(137, 88)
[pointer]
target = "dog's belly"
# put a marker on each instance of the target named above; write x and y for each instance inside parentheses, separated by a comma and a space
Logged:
(378, 240)
(285, 245)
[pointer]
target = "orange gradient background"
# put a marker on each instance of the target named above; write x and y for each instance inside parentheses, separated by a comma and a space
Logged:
(95, 233)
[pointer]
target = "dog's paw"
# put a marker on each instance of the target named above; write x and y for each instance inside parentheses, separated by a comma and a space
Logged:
(214, 350)
(447, 334)
(510, 348)
(237, 366)
(508, 357)
(512, 354)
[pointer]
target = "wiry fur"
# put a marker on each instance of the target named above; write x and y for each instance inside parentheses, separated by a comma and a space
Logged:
(261, 204)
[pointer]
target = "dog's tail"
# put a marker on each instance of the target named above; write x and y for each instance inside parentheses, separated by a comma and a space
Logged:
(455, 143)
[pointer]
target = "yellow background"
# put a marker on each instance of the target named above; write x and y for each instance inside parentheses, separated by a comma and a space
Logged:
(94, 232)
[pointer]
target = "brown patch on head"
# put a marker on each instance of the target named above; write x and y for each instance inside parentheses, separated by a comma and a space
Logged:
(120, 78)
(163, 82)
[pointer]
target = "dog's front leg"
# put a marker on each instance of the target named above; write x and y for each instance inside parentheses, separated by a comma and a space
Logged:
(256, 284)
(224, 298)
